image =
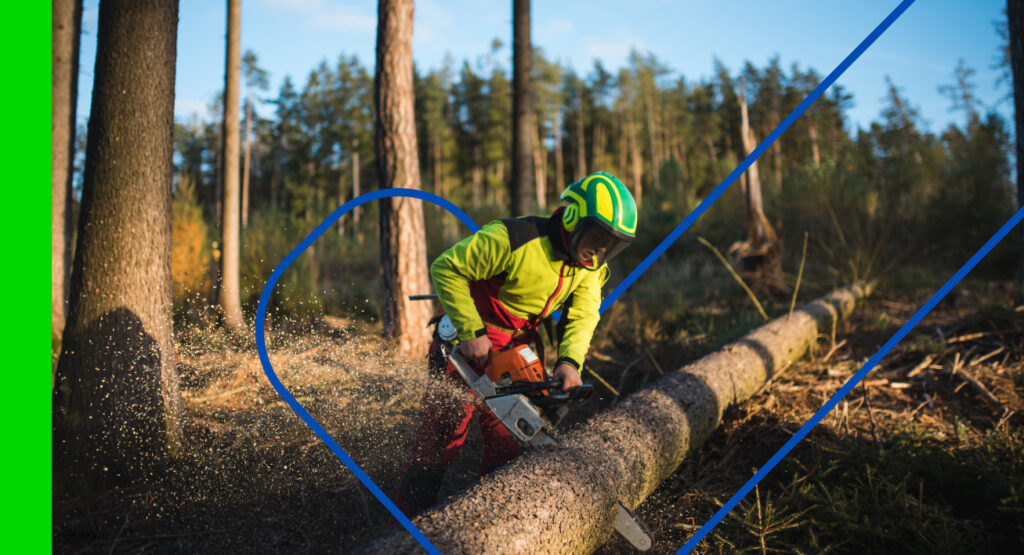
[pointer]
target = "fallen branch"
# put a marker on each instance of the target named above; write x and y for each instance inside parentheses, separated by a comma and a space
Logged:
(979, 387)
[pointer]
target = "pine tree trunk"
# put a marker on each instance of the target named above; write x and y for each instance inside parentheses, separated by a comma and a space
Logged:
(403, 243)
(67, 25)
(246, 168)
(117, 408)
(356, 192)
(813, 131)
(562, 499)
(341, 194)
(522, 109)
(761, 251)
(1015, 23)
(597, 147)
(652, 137)
(229, 292)
(636, 159)
(540, 157)
(559, 153)
(477, 177)
(581, 143)
(752, 203)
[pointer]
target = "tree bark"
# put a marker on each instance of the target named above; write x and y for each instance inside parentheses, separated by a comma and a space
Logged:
(341, 193)
(652, 135)
(540, 166)
(813, 132)
(761, 251)
(1015, 24)
(229, 294)
(403, 243)
(581, 143)
(117, 407)
(67, 26)
(562, 499)
(246, 159)
(559, 154)
(522, 109)
(636, 160)
(356, 192)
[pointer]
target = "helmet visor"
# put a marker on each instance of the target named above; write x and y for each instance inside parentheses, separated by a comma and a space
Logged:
(592, 245)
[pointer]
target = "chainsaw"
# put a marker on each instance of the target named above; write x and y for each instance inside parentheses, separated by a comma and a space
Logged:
(517, 389)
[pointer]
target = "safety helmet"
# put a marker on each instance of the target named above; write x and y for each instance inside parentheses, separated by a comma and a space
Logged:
(600, 219)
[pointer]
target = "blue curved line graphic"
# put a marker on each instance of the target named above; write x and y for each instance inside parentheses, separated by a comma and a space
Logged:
(607, 302)
(767, 142)
(268, 369)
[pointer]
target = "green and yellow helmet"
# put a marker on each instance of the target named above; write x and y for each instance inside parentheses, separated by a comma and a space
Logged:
(600, 219)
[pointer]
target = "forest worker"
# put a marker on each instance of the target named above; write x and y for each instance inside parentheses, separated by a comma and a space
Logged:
(496, 286)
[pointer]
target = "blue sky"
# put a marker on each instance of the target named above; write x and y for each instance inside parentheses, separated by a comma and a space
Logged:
(918, 52)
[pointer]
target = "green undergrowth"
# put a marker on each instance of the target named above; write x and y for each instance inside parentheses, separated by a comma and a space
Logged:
(912, 493)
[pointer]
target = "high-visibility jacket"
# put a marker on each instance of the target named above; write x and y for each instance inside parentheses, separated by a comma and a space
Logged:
(522, 266)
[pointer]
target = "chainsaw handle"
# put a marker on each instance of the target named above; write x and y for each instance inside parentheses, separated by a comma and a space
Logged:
(578, 393)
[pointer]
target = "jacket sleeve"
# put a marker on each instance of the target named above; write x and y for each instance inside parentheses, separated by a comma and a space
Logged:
(582, 318)
(482, 255)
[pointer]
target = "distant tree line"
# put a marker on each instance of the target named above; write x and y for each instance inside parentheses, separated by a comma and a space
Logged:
(671, 139)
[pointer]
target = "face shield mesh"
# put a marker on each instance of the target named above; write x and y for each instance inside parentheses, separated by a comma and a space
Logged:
(592, 245)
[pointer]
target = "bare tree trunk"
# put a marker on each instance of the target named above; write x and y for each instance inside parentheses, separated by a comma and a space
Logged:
(356, 192)
(636, 159)
(477, 177)
(523, 128)
(652, 136)
(597, 147)
(562, 499)
(623, 146)
(1015, 23)
(229, 292)
(67, 30)
(540, 166)
(813, 130)
(403, 243)
(116, 407)
(752, 202)
(341, 193)
(760, 251)
(559, 154)
(246, 168)
(712, 151)
(581, 148)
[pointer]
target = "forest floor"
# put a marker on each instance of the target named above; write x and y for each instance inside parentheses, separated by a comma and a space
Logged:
(917, 458)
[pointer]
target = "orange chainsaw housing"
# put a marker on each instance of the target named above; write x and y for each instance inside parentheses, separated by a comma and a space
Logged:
(518, 364)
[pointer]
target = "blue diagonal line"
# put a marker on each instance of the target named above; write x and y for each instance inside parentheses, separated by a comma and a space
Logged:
(261, 340)
(854, 380)
(767, 142)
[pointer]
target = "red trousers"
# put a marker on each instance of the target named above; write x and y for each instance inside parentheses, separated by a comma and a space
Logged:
(443, 430)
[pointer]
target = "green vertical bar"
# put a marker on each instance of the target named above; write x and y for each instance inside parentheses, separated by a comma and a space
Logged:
(25, 219)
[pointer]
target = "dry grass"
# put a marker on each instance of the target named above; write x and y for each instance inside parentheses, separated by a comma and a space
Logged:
(257, 479)
(883, 471)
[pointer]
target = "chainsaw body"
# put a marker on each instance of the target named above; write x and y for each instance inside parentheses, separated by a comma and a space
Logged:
(522, 396)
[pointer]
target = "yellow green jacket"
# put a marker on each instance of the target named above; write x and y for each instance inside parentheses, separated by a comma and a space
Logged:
(532, 275)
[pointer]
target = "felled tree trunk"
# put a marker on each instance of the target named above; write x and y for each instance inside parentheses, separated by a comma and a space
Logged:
(562, 499)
